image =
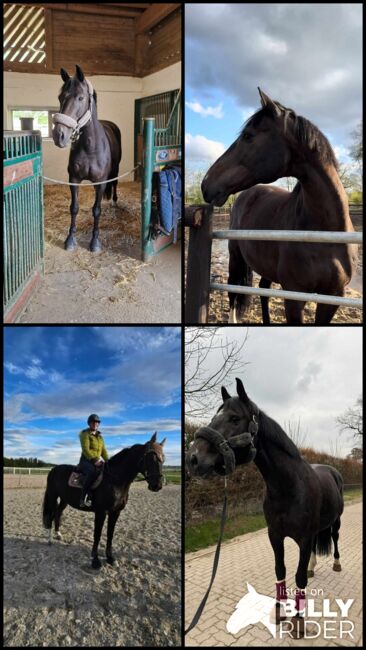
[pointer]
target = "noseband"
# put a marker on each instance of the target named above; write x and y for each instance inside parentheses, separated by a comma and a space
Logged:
(226, 447)
(76, 125)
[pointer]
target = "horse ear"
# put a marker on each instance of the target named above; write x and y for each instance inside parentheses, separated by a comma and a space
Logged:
(268, 103)
(241, 391)
(79, 73)
(225, 394)
(65, 77)
(162, 442)
(153, 437)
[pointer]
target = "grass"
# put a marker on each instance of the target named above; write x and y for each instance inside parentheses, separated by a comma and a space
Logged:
(206, 533)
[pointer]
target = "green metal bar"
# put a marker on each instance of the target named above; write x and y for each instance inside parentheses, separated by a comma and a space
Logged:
(146, 189)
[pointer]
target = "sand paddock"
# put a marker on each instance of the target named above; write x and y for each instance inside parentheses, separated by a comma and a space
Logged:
(54, 598)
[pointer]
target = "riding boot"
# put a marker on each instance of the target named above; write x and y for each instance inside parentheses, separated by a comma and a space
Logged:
(85, 501)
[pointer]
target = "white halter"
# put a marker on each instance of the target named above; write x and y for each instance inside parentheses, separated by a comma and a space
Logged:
(76, 125)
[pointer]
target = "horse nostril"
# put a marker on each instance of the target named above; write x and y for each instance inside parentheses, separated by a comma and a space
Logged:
(194, 460)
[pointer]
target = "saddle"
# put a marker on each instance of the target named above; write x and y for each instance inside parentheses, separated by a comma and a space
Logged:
(77, 479)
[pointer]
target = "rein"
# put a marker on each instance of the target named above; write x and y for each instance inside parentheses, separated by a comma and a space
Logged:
(202, 604)
(225, 447)
(73, 124)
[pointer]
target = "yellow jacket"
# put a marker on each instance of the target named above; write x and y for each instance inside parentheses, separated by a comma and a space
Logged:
(92, 445)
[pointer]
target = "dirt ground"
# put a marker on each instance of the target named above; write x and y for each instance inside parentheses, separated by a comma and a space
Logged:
(113, 286)
(52, 596)
(219, 301)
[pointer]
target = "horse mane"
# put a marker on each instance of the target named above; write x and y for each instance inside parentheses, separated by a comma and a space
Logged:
(305, 133)
(122, 455)
(270, 430)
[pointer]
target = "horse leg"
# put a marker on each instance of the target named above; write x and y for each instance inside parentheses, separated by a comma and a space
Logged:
(265, 284)
(240, 274)
(70, 242)
(312, 562)
(294, 312)
(100, 516)
(335, 535)
(95, 245)
(280, 569)
(112, 519)
(49, 509)
(301, 577)
(324, 313)
(114, 187)
(59, 510)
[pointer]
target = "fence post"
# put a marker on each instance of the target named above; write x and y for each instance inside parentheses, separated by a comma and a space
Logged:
(199, 219)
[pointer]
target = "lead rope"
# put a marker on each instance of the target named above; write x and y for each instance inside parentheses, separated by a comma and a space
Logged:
(200, 609)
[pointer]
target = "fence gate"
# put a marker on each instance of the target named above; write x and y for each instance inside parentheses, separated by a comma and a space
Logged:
(23, 219)
(160, 146)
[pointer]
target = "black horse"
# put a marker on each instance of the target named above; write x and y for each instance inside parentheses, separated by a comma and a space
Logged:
(302, 501)
(276, 142)
(110, 497)
(96, 149)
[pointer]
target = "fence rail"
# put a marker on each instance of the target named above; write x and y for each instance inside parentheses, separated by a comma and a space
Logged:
(199, 284)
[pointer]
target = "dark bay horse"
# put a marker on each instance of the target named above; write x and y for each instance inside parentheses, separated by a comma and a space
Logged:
(96, 149)
(302, 501)
(275, 142)
(110, 497)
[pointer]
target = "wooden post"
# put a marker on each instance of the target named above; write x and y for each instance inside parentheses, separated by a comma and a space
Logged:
(199, 219)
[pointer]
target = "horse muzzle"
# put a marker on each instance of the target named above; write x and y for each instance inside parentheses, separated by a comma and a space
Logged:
(225, 449)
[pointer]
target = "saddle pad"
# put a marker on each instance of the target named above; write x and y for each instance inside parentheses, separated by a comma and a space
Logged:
(76, 480)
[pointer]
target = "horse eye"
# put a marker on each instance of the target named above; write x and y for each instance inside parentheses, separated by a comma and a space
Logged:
(247, 136)
(235, 419)
(81, 99)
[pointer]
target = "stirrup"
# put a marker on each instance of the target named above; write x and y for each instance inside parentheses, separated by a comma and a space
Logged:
(85, 502)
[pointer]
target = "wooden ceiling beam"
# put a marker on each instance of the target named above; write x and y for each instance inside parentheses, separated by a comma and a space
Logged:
(154, 15)
(99, 10)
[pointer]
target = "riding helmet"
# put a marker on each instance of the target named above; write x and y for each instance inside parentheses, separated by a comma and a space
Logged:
(92, 417)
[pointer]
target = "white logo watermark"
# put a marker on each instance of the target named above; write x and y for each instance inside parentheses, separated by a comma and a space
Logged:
(257, 608)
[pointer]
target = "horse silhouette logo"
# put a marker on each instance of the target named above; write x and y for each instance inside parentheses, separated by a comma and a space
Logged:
(254, 608)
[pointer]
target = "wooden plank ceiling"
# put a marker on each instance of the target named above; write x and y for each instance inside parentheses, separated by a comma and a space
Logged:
(122, 39)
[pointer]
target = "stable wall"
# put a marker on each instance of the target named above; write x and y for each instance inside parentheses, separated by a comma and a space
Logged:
(116, 102)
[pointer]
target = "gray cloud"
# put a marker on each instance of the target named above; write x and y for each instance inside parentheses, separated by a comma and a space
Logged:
(308, 56)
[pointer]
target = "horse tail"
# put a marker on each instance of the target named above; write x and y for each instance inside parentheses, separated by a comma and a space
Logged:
(324, 541)
(49, 505)
(116, 150)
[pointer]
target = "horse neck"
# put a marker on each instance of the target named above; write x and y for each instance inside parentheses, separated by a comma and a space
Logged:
(92, 133)
(279, 470)
(322, 202)
(126, 465)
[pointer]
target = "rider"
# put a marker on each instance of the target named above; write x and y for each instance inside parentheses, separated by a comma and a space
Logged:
(93, 456)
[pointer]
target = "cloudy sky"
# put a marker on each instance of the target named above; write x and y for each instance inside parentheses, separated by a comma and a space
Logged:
(307, 56)
(311, 373)
(55, 377)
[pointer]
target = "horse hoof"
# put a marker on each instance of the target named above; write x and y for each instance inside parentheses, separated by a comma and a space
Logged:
(96, 563)
(95, 246)
(310, 574)
(70, 243)
(337, 567)
(297, 627)
(58, 535)
(110, 560)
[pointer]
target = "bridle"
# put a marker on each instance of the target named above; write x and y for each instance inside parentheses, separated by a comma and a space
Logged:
(226, 446)
(76, 125)
(144, 470)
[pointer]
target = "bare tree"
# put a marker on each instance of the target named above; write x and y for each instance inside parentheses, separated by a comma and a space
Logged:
(351, 420)
(293, 430)
(210, 359)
